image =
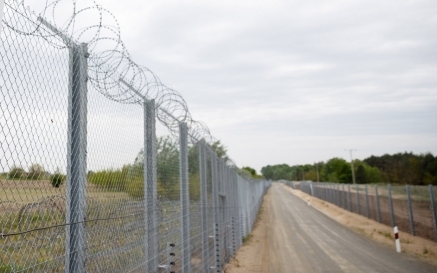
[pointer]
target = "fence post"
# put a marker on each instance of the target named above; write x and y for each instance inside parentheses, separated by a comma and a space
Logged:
(204, 206)
(358, 199)
(378, 210)
(215, 198)
(76, 160)
(390, 203)
(185, 198)
(350, 197)
(344, 196)
(367, 203)
(410, 210)
(150, 188)
(433, 209)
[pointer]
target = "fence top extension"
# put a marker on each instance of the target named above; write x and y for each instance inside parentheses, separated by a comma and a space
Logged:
(111, 70)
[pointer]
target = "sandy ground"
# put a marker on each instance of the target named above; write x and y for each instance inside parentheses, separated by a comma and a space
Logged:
(253, 256)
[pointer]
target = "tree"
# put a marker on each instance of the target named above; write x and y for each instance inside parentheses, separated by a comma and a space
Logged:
(337, 170)
(249, 172)
(220, 150)
(252, 171)
(277, 172)
(16, 172)
(36, 171)
(360, 175)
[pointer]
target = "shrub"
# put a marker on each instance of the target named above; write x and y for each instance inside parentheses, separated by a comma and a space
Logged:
(16, 172)
(36, 171)
(110, 179)
(57, 179)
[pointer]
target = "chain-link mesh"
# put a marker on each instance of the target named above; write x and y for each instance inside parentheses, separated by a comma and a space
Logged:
(414, 215)
(102, 168)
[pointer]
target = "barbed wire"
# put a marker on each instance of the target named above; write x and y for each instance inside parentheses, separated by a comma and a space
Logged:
(111, 70)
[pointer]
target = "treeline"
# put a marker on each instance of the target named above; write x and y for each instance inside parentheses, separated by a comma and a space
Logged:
(400, 168)
(130, 177)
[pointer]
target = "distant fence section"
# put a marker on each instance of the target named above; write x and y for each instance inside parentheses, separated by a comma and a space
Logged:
(411, 208)
(102, 167)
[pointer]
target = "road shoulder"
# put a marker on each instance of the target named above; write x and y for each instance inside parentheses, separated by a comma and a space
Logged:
(253, 256)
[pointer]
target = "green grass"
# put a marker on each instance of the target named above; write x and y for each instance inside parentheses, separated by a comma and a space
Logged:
(8, 268)
(386, 234)
(247, 238)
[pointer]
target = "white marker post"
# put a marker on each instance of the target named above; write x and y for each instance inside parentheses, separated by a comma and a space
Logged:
(2, 2)
(397, 242)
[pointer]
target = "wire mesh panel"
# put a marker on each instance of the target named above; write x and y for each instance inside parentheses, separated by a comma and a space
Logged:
(373, 210)
(115, 188)
(100, 166)
(422, 215)
(361, 192)
(33, 122)
(195, 208)
(168, 184)
(400, 206)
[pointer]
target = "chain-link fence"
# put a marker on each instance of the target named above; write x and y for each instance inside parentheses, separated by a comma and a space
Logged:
(102, 168)
(410, 208)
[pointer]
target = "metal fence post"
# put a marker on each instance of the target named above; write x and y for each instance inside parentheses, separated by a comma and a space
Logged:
(350, 197)
(185, 198)
(378, 210)
(367, 203)
(76, 160)
(343, 196)
(215, 198)
(390, 203)
(410, 210)
(150, 188)
(204, 206)
(433, 209)
(358, 199)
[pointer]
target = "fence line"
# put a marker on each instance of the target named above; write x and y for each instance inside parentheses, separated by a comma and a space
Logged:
(411, 208)
(89, 180)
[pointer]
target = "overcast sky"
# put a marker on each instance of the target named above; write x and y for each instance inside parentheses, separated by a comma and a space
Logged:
(295, 81)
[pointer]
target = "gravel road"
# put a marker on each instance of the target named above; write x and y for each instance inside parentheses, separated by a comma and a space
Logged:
(298, 238)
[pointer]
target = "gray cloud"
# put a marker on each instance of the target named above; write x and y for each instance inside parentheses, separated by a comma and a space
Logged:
(342, 74)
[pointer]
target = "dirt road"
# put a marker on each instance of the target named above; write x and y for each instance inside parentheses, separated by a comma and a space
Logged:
(294, 237)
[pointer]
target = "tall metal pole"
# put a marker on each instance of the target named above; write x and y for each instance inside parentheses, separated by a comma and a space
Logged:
(410, 210)
(150, 187)
(378, 209)
(75, 243)
(204, 206)
(185, 198)
(317, 171)
(76, 161)
(390, 204)
(215, 198)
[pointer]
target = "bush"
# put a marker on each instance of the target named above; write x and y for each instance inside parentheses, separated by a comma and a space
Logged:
(57, 179)
(135, 187)
(110, 179)
(36, 171)
(16, 172)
